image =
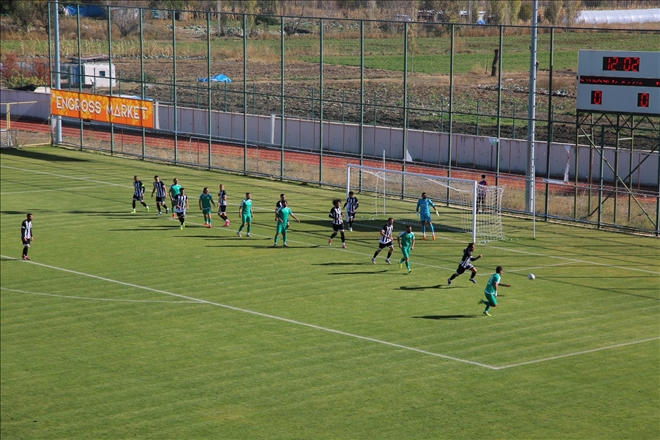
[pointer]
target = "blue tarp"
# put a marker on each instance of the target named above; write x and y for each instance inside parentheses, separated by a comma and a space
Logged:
(217, 78)
(86, 11)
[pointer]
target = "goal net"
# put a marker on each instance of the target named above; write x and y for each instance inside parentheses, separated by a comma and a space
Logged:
(8, 138)
(463, 205)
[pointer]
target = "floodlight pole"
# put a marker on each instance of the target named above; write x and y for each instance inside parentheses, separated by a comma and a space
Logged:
(530, 205)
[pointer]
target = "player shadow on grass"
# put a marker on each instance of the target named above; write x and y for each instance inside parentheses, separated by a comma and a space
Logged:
(436, 286)
(361, 273)
(144, 228)
(340, 263)
(445, 316)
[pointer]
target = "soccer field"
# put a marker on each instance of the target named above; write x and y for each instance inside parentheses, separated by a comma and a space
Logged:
(122, 325)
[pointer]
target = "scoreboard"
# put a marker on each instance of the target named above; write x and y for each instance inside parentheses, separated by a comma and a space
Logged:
(619, 82)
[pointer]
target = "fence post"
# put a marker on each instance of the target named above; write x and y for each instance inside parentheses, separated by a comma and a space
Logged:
(478, 111)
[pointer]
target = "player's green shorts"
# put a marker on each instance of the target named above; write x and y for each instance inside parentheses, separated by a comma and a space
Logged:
(206, 211)
(280, 228)
(492, 299)
(406, 252)
(245, 218)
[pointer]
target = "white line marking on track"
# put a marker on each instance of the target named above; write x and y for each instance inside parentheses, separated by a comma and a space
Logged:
(101, 299)
(264, 315)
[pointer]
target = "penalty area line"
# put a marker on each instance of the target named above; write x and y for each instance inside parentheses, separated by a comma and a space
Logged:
(577, 353)
(263, 315)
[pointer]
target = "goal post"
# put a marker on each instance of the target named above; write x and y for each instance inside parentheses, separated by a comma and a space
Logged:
(468, 207)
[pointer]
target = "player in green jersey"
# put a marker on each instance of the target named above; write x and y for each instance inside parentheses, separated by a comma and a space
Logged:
(174, 190)
(283, 215)
(491, 290)
(406, 241)
(245, 213)
(205, 201)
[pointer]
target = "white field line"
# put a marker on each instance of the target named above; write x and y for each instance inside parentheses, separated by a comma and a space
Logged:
(525, 269)
(64, 176)
(536, 361)
(100, 299)
(573, 260)
(339, 332)
(264, 315)
(78, 188)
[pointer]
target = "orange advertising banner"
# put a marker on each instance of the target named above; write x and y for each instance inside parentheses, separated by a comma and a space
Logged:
(102, 108)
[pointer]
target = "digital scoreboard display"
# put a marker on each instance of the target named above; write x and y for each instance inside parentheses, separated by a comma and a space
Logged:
(619, 82)
(621, 64)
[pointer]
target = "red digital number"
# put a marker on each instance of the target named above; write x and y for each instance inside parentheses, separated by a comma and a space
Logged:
(596, 97)
(612, 63)
(643, 100)
(631, 64)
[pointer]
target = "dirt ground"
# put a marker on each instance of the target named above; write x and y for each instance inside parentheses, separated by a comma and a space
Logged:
(383, 96)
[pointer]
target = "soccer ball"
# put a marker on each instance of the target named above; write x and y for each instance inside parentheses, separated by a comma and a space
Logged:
(531, 276)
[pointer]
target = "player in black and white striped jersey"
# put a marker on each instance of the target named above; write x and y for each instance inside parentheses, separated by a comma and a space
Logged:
(385, 241)
(159, 189)
(351, 206)
(222, 205)
(138, 193)
(337, 222)
(181, 206)
(466, 264)
(26, 235)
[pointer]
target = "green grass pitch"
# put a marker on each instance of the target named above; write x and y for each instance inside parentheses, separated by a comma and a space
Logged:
(124, 326)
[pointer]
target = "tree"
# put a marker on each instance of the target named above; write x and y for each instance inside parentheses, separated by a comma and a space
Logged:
(525, 13)
(514, 10)
(28, 14)
(552, 12)
(497, 11)
(572, 8)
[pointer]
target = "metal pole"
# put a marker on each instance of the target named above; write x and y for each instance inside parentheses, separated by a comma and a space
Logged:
(361, 131)
(405, 106)
(657, 200)
(616, 166)
(112, 126)
(499, 108)
(80, 73)
(244, 93)
(209, 119)
(144, 141)
(282, 98)
(58, 77)
(451, 105)
(600, 186)
(321, 100)
(174, 95)
(550, 125)
(531, 117)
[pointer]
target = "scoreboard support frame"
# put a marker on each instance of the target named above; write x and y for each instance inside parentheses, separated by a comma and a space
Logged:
(591, 126)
